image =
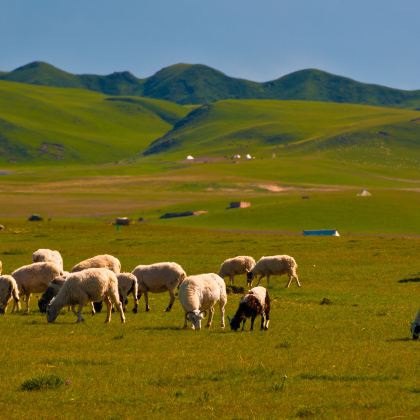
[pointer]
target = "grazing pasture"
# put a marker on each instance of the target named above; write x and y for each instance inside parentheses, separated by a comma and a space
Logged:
(349, 357)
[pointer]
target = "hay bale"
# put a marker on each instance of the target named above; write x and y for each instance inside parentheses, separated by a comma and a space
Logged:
(239, 205)
(35, 218)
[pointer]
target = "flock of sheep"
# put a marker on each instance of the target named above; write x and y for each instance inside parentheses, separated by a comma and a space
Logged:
(99, 279)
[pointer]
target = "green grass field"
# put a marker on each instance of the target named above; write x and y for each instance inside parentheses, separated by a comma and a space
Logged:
(75, 158)
(352, 358)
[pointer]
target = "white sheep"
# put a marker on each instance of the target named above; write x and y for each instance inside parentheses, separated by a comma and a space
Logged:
(415, 326)
(34, 278)
(99, 261)
(200, 293)
(158, 278)
(90, 285)
(231, 267)
(48, 255)
(8, 290)
(275, 265)
(127, 283)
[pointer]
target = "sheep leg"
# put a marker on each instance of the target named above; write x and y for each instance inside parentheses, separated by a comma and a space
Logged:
(117, 303)
(243, 324)
(146, 298)
(268, 280)
(222, 313)
(261, 276)
(28, 297)
(297, 279)
(252, 322)
(171, 300)
(232, 279)
(16, 305)
(185, 321)
(262, 320)
(108, 309)
(79, 313)
(211, 314)
(136, 303)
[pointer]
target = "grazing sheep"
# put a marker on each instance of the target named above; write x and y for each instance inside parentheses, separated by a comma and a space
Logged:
(255, 302)
(100, 261)
(200, 293)
(415, 326)
(274, 265)
(237, 265)
(90, 285)
(127, 283)
(48, 255)
(8, 290)
(158, 278)
(34, 278)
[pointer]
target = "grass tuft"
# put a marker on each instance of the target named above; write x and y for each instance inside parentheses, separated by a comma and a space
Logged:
(42, 382)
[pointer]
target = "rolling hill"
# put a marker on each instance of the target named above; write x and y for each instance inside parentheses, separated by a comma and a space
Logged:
(41, 124)
(295, 128)
(200, 84)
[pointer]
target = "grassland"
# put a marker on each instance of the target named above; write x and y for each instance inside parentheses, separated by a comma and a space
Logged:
(352, 358)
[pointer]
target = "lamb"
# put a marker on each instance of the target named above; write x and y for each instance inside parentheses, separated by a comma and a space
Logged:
(8, 290)
(158, 278)
(34, 278)
(274, 265)
(127, 283)
(200, 293)
(255, 302)
(99, 261)
(415, 326)
(237, 265)
(90, 285)
(48, 255)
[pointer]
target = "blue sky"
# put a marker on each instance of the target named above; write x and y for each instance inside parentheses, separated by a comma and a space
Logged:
(372, 40)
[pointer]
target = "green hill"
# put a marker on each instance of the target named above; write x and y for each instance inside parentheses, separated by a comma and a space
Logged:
(296, 128)
(200, 84)
(43, 124)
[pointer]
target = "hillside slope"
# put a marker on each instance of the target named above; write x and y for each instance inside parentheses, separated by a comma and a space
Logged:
(43, 124)
(200, 84)
(294, 128)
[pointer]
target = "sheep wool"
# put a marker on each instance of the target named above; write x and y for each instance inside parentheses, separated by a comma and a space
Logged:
(231, 267)
(199, 294)
(274, 265)
(8, 290)
(158, 278)
(48, 255)
(90, 285)
(99, 261)
(34, 278)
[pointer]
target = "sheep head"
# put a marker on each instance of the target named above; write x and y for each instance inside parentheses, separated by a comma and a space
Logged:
(195, 318)
(415, 330)
(52, 312)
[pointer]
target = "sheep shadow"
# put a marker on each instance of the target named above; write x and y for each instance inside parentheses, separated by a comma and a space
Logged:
(399, 339)
(411, 280)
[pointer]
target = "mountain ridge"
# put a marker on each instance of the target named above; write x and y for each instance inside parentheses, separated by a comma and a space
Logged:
(199, 84)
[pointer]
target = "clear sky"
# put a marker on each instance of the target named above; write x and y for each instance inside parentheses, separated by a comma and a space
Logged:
(374, 41)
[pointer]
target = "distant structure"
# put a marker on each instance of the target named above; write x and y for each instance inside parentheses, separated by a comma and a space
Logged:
(364, 193)
(321, 232)
(122, 221)
(239, 205)
(189, 157)
(183, 214)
